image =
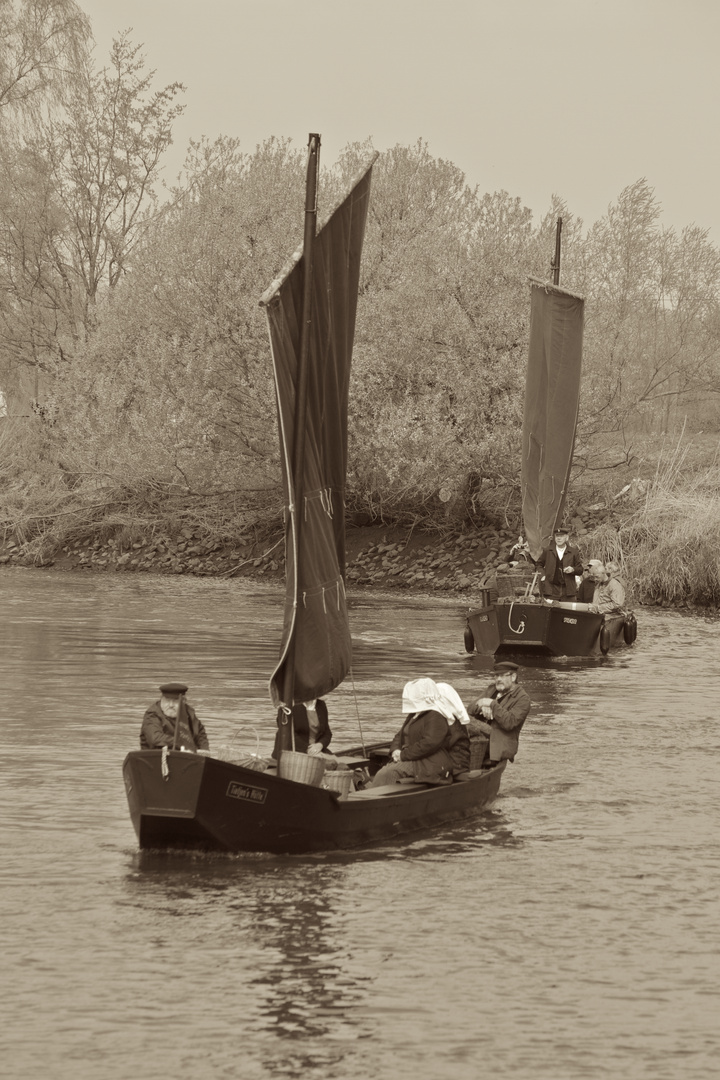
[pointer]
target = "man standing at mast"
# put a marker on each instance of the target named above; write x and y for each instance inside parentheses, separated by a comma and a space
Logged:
(561, 563)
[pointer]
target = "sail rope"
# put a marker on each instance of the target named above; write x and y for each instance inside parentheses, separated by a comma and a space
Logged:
(357, 710)
(521, 624)
(286, 714)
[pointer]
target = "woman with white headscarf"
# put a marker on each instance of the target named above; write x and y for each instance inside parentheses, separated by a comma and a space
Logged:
(420, 748)
(458, 736)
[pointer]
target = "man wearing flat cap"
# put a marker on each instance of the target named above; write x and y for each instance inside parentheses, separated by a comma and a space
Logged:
(172, 712)
(561, 562)
(501, 713)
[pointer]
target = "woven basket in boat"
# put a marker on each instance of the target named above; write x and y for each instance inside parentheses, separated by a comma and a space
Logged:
(340, 780)
(513, 582)
(303, 768)
(252, 761)
(478, 751)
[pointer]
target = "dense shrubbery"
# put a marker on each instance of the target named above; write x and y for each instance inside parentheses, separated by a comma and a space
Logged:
(140, 324)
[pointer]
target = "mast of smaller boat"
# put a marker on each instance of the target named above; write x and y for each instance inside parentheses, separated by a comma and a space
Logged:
(301, 386)
(555, 267)
(555, 264)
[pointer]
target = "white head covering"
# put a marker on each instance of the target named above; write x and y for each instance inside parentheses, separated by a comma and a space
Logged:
(419, 695)
(453, 704)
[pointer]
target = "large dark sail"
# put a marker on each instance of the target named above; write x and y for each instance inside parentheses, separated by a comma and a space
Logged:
(316, 636)
(552, 395)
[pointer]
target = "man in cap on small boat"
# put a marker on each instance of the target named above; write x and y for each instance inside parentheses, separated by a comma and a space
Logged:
(501, 713)
(171, 715)
(561, 562)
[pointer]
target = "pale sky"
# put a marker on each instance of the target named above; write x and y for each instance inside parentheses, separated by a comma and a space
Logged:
(576, 98)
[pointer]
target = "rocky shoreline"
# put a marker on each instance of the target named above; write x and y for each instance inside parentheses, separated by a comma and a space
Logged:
(377, 555)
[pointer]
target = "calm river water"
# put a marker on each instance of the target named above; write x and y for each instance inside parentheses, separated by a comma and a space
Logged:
(571, 931)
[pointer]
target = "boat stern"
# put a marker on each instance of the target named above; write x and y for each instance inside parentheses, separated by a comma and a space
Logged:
(160, 787)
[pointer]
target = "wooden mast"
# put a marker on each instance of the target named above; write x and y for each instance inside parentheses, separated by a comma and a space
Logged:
(555, 264)
(555, 267)
(301, 385)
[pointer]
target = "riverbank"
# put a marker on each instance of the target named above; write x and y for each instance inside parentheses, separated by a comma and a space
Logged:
(377, 555)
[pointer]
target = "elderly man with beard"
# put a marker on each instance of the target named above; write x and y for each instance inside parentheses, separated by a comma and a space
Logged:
(503, 710)
(161, 719)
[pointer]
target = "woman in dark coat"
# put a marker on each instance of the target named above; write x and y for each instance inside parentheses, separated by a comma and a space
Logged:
(429, 747)
(311, 727)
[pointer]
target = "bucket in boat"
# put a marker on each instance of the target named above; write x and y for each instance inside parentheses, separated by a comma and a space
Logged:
(302, 768)
(341, 780)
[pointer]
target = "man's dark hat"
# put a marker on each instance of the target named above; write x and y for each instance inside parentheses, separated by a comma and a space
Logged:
(561, 529)
(173, 689)
(505, 665)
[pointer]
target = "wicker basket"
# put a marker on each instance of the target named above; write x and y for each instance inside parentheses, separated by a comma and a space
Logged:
(302, 768)
(514, 580)
(252, 761)
(478, 751)
(341, 780)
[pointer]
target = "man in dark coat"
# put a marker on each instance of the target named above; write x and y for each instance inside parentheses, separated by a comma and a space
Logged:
(161, 719)
(311, 726)
(501, 713)
(561, 562)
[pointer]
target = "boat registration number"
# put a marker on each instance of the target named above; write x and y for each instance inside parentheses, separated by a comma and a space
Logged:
(572, 622)
(246, 791)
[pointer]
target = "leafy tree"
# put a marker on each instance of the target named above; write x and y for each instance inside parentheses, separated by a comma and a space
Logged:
(178, 373)
(648, 340)
(42, 43)
(76, 199)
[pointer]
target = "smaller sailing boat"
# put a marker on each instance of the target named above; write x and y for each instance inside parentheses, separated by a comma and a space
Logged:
(519, 620)
(184, 800)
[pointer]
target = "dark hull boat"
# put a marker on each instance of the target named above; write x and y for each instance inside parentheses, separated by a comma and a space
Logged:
(559, 629)
(183, 800)
(215, 805)
(517, 619)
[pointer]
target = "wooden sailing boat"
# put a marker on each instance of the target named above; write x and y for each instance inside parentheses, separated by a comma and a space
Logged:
(518, 621)
(181, 800)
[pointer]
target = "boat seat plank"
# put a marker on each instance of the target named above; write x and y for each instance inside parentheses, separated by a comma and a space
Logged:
(387, 789)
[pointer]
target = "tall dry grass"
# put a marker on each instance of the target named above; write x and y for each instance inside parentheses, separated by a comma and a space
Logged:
(671, 545)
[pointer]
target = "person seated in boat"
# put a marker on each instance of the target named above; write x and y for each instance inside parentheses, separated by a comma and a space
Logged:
(501, 713)
(421, 748)
(458, 739)
(614, 571)
(609, 595)
(586, 586)
(561, 562)
(160, 720)
(311, 727)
